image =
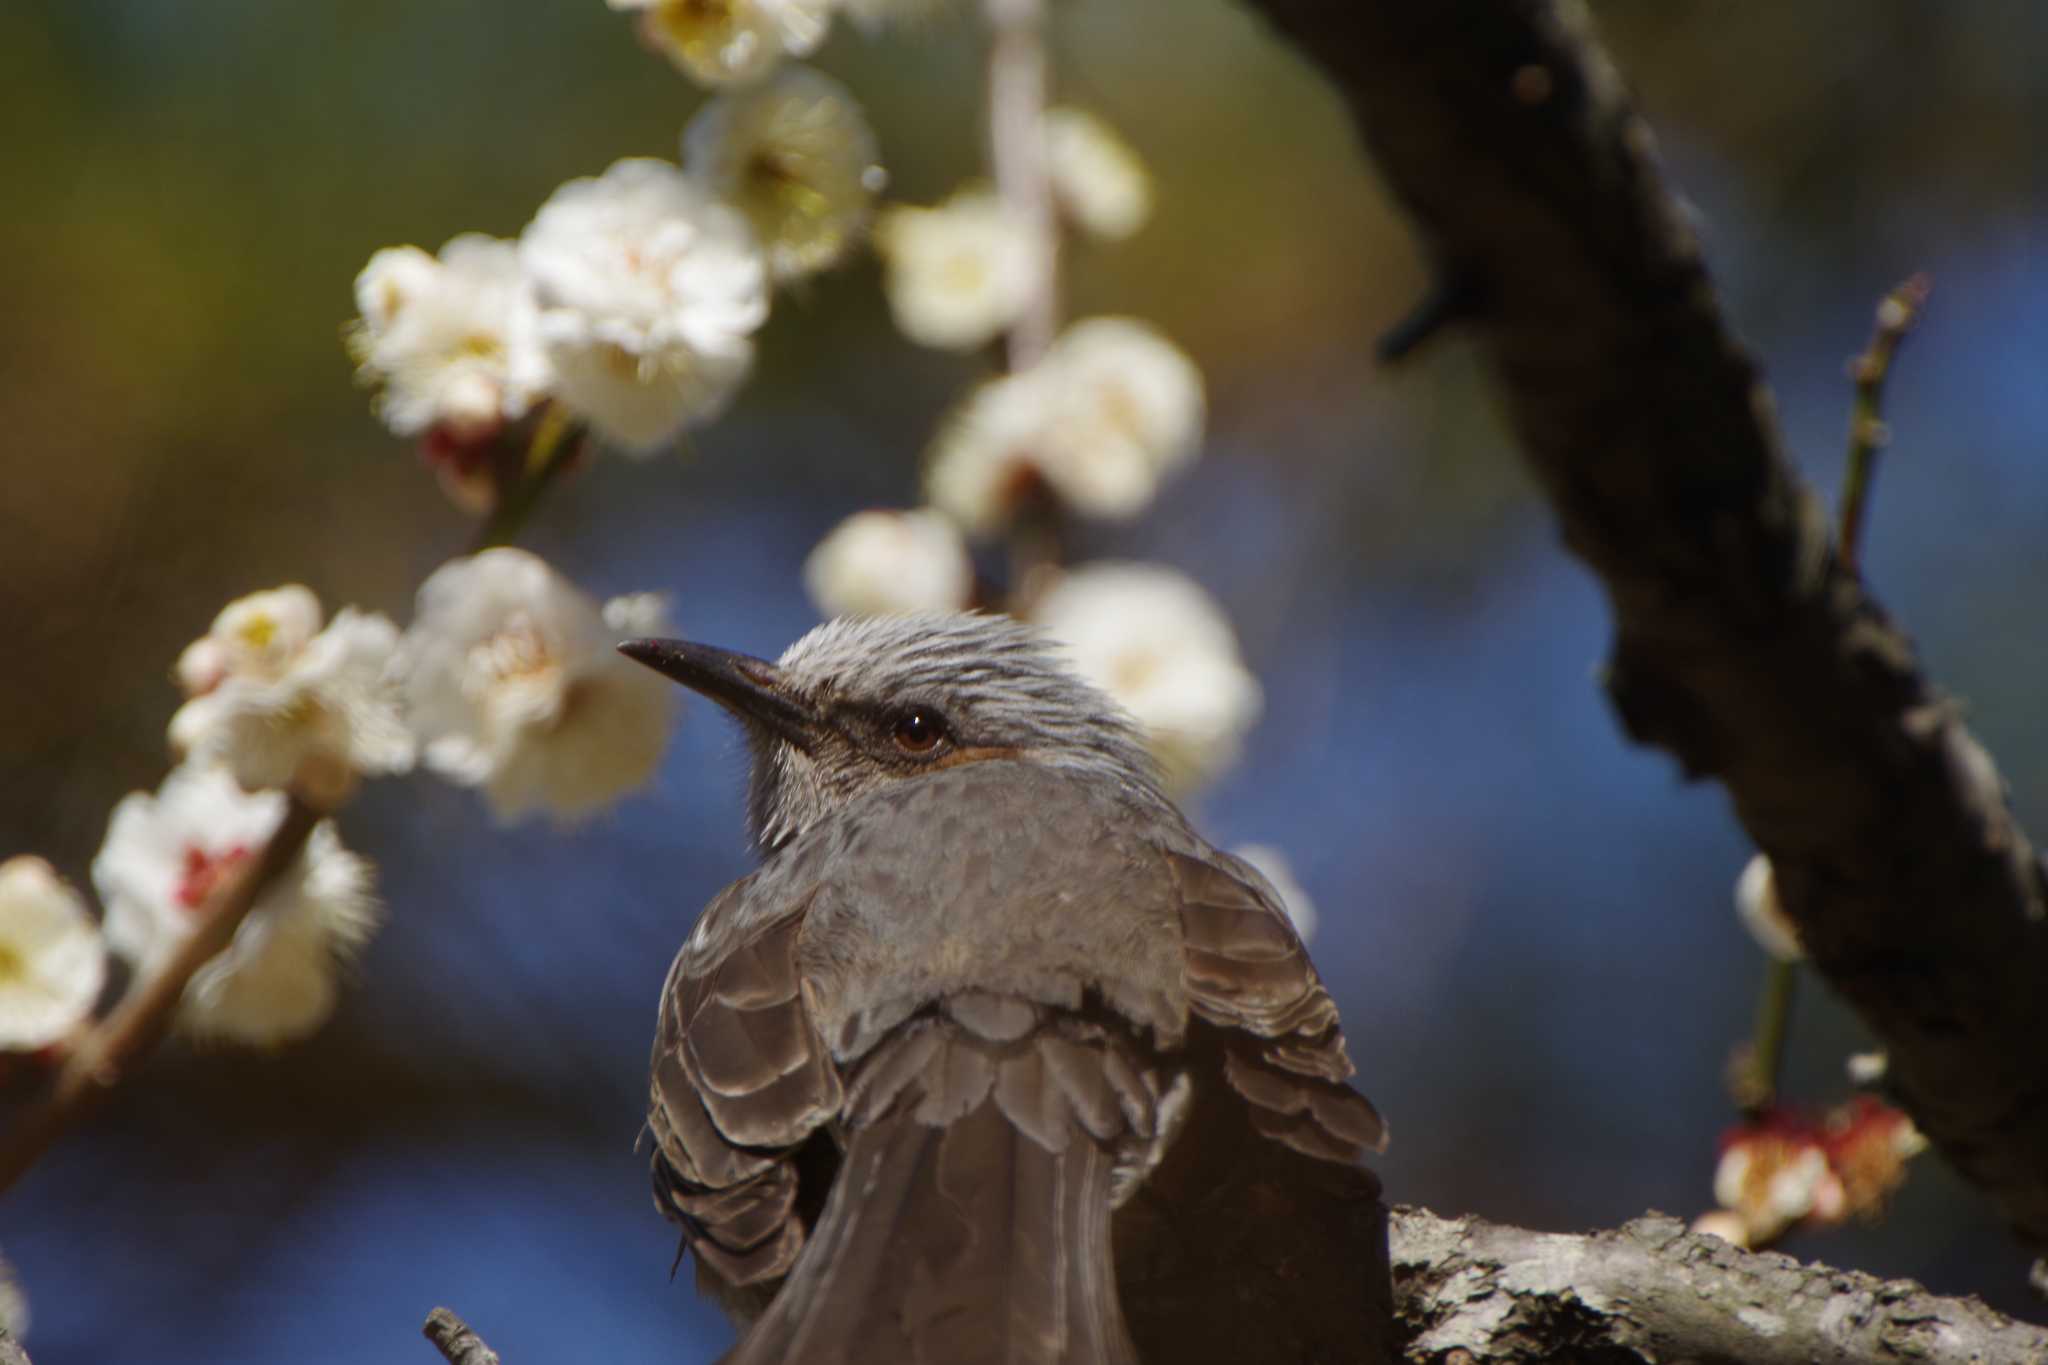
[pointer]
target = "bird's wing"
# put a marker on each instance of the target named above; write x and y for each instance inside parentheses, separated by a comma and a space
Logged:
(1248, 973)
(740, 1079)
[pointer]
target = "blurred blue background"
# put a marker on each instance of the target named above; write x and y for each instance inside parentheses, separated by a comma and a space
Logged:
(1526, 922)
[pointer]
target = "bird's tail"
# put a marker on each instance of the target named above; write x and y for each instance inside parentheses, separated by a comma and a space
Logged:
(969, 1223)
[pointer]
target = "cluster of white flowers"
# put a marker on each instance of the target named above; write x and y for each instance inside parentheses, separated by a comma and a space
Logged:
(650, 292)
(281, 702)
(452, 343)
(507, 680)
(163, 859)
(632, 298)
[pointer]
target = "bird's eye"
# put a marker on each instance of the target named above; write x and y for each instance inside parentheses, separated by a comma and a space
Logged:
(917, 731)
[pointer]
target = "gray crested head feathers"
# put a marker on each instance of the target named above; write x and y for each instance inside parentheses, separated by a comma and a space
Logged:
(862, 701)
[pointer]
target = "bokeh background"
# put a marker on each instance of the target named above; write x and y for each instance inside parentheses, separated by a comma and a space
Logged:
(1525, 921)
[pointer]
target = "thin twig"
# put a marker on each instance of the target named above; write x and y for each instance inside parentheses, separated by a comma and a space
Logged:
(1867, 432)
(454, 1339)
(1016, 130)
(556, 444)
(106, 1051)
(1756, 1086)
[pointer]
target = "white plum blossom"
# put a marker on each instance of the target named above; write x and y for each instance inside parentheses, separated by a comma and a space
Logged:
(1111, 410)
(797, 157)
(278, 704)
(876, 562)
(1161, 647)
(1128, 409)
(724, 42)
(515, 686)
(1757, 905)
(256, 636)
(52, 963)
(960, 273)
(1098, 180)
(451, 344)
(987, 456)
(650, 292)
(164, 857)
(1275, 867)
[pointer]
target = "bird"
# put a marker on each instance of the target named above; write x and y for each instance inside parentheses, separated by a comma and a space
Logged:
(994, 1060)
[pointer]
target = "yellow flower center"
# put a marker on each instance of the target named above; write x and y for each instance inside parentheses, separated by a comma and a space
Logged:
(1133, 669)
(477, 346)
(708, 35)
(13, 966)
(258, 629)
(517, 651)
(964, 272)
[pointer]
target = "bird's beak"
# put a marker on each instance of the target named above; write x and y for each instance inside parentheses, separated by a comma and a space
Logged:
(752, 689)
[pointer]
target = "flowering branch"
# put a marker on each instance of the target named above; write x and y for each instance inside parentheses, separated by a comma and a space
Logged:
(104, 1052)
(1742, 645)
(1016, 129)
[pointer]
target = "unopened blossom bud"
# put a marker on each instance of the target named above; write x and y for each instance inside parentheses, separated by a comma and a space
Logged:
(1099, 181)
(1757, 904)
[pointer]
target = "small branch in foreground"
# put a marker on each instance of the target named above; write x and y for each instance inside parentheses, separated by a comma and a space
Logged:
(1651, 1291)
(1867, 432)
(105, 1052)
(453, 1338)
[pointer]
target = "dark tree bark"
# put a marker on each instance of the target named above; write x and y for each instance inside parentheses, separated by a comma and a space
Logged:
(1742, 644)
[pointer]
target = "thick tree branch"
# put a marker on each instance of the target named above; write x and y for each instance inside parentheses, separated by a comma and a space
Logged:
(1478, 1292)
(1742, 644)
(1649, 1291)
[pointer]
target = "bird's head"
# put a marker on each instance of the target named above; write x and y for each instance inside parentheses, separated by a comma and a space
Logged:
(862, 701)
